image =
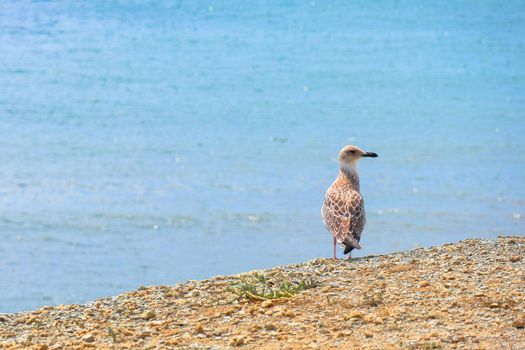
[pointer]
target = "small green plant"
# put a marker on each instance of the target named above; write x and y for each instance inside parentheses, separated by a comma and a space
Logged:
(258, 286)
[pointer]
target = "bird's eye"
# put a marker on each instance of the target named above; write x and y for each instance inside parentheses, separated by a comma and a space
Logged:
(352, 152)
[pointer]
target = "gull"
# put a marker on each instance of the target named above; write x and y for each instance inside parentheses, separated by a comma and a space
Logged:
(343, 210)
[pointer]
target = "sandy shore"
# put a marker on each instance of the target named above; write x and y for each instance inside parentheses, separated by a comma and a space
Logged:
(468, 295)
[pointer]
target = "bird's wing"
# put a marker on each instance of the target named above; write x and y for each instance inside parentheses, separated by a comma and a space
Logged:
(342, 215)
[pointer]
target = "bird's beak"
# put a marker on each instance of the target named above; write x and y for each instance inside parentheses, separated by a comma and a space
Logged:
(370, 154)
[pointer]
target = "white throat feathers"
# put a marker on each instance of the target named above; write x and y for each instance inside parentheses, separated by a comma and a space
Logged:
(349, 168)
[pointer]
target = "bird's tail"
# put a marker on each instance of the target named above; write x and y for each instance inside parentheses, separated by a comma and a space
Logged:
(350, 243)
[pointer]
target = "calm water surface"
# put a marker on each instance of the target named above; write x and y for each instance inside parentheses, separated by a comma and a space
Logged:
(150, 142)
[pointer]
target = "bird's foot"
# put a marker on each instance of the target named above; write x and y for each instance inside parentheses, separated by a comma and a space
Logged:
(349, 257)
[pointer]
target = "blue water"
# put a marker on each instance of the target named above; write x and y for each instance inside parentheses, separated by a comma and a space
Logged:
(150, 142)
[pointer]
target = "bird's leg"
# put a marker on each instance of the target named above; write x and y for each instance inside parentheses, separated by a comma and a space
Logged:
(335, 257)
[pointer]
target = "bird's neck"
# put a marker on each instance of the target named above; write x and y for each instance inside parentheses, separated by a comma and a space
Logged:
(348, 174)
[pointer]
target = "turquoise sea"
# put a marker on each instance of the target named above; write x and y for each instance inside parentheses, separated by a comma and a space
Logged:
(151, 142)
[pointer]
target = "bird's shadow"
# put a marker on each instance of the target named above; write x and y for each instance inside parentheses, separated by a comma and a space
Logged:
(359, 259)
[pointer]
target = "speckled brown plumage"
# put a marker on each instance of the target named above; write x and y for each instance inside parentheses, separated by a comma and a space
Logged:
(343, 211)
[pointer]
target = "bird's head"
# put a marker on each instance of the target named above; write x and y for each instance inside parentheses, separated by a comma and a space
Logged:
(349, 155)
